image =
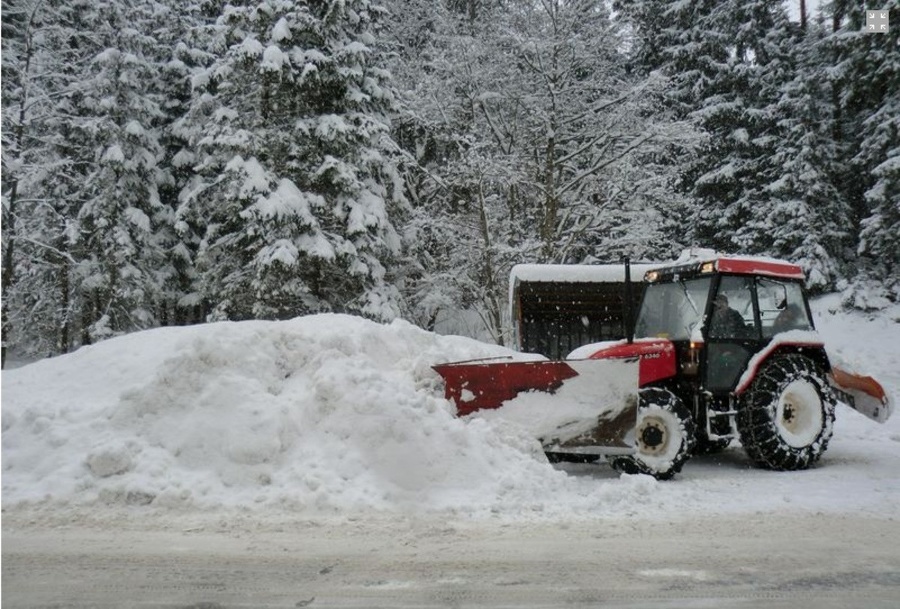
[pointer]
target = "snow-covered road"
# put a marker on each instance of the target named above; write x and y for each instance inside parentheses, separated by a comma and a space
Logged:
(229, 561)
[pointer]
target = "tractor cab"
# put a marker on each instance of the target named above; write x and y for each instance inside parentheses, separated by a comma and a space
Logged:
(719, 313)
(721, 317)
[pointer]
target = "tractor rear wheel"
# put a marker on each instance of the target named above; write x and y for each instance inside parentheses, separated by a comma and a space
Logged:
(663, 437)
(787, 415)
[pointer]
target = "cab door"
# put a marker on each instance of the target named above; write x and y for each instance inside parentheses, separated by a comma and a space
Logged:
(729, 346)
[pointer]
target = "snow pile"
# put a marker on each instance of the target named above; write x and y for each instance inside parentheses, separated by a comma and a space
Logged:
(322, 412)
(333, 414)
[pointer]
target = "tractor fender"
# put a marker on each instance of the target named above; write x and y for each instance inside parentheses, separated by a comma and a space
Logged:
(804, 342)
(858, 391)
(657, 358)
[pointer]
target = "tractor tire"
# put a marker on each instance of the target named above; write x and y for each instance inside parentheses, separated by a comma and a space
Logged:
(664, 436)
(786, 417)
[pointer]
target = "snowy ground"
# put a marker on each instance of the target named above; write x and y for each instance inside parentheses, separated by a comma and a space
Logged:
(147, 455)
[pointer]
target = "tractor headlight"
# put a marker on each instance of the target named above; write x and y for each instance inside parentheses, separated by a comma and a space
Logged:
(690, 364)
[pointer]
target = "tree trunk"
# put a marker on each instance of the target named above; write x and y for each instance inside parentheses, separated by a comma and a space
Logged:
(65, 341)
(494, 319)
(87, 318)
(551, 203)
(8, 267)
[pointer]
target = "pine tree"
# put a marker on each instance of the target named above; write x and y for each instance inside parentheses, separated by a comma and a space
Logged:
(40, 225)
(178, 30)
(691, 44)
(20, 51)
(802, 215)
(867, 84)
(121, 210)
(298, 186)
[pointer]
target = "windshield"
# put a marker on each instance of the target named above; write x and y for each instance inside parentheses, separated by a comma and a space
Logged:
(672, 310)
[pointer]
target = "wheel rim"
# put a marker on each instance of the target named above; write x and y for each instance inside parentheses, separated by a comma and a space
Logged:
(656, 437)
(799, 415)
(652, 436)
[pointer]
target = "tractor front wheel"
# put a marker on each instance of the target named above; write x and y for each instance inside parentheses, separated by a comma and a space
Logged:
(787, 415)
(663, 438)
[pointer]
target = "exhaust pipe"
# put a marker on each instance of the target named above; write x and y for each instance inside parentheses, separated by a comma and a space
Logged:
(629, 303)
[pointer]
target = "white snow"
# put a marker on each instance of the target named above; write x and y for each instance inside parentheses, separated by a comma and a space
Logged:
(274, 59)
(575, 408)
(286, 201)
(577, 273)
(281, 31)
(114, 154)
(337, 415)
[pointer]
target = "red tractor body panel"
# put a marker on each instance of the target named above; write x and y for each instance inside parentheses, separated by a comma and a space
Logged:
(657, 358)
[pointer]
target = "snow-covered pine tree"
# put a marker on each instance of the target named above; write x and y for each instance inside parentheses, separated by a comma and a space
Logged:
(19, 51)
(720, 76)
(298, 185)
(55, 161)
(688, 43)
(121, 118)
(91, 262)
(178, 29)
(866, 81)
(801, 215)
(25, 99)
(762, 182)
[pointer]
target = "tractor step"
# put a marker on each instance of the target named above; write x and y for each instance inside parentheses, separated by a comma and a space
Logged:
(732, 424)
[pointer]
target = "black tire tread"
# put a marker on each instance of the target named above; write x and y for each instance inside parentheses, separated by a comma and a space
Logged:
(632, 464)
(755, 419)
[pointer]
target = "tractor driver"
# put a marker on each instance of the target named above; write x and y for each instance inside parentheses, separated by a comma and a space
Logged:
(726, 322)
(790, 318)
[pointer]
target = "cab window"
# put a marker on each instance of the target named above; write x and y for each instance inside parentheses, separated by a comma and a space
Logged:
(672, 310)
(731, 315)
(781, 307)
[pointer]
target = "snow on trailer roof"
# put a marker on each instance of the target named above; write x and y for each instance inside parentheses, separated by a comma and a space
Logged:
(577, 273)
(615, 273)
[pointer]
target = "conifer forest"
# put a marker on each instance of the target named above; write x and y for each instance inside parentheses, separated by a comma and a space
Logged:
(170, 162)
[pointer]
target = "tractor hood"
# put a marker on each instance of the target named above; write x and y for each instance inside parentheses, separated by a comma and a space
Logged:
(657, 356)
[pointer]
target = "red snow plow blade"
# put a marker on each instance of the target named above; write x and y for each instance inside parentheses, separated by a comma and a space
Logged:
(862, 393)
(579, 406)
(479, 385)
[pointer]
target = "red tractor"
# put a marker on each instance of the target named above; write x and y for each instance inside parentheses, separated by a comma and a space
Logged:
(725, 349)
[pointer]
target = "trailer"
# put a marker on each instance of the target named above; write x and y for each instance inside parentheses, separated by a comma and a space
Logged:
(556, 308)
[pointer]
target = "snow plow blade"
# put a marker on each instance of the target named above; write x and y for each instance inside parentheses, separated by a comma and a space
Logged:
(862, 393)
(586, 407)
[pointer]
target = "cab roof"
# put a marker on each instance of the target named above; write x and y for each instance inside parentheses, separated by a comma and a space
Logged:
(738, 265)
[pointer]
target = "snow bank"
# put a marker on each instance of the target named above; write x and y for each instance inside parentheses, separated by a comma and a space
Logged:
(324, 412)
